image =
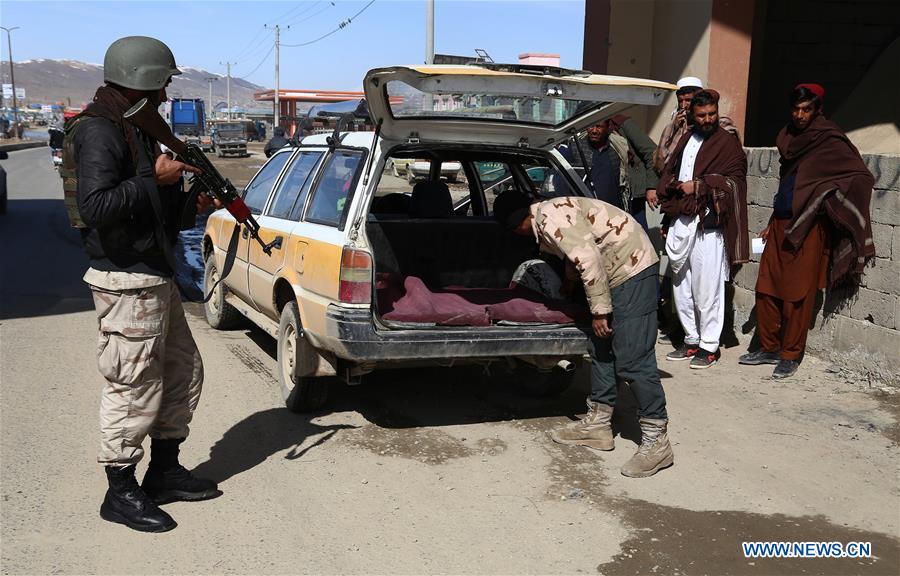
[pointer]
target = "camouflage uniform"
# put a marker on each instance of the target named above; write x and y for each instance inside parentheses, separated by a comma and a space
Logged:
(148, 357)
(617, 264)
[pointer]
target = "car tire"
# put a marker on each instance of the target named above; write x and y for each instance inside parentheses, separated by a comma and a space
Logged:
(542, 383)
(219, 314)
(303, 393)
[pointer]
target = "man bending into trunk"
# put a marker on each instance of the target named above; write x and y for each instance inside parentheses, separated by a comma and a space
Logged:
(618, 267)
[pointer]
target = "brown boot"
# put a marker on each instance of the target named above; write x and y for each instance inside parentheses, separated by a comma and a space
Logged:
(655, 452)
(594, 430)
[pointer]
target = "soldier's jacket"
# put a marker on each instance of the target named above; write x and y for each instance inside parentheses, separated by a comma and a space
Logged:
(604, 243)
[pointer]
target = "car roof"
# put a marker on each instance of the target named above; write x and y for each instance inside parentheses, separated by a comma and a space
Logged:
(356, 139)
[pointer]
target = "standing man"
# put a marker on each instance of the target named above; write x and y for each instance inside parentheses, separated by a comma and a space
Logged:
(679, 126)
(130, 206)
(277, 142)
(825, 191)
(618, 268)
(703, 189)
(619, 157)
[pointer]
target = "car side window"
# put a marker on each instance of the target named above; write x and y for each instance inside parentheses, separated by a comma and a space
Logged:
(496, 178)
(549, 181)
(257, 191)
(294, 187)
(334, 190)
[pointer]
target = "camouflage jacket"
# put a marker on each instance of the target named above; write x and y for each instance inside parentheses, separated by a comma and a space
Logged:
(604, 243)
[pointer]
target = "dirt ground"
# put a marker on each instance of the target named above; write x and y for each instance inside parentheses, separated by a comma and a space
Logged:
(444, 470)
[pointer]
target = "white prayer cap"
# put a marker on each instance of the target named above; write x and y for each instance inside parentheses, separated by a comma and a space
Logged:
(692, 81)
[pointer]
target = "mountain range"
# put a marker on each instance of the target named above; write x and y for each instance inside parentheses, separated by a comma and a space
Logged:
(73, 83)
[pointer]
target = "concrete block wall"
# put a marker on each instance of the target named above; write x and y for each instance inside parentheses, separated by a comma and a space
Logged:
(861, 334)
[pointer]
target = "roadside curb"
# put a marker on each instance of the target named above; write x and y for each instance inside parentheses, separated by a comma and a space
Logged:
(23, 145)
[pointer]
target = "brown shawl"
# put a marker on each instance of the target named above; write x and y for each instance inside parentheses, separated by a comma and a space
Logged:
(831, 175)
(721, 171)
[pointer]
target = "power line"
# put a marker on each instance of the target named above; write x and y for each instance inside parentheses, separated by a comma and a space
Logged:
(311, 16)
(340, 26)
(257, 42)
(309, 6)
(266, 57)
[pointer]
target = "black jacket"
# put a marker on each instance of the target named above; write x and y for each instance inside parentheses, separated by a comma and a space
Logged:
(275, 144)
(124, 231)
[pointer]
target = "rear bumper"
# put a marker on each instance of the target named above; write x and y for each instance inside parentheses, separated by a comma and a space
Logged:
(351, 335)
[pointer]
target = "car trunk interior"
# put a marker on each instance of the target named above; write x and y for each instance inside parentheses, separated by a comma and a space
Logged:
(441, 259)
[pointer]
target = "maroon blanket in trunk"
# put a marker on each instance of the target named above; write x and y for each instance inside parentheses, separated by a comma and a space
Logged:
(460, 306)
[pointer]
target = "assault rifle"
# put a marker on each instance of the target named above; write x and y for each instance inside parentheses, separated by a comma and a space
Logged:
(142, 115)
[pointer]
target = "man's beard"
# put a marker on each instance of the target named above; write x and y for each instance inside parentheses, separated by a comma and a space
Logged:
(706, 131)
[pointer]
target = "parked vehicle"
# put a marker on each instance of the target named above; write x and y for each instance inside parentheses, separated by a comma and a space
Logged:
(4, 155)
(229, 139)
(351, 242)
(187, 117)
(419, 170)
(56, 145)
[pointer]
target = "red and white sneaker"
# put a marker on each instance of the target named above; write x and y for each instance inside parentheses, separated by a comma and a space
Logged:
(704, 359)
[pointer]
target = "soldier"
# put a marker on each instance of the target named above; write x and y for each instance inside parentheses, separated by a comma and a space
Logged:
(613, 256)
(130, 210)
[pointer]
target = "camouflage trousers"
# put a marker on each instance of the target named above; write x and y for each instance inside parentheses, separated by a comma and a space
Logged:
(152, 367)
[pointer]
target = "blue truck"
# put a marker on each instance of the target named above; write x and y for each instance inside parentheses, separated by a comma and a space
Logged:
(188, 120)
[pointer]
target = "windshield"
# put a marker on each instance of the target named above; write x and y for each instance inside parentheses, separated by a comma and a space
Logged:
(407, 102)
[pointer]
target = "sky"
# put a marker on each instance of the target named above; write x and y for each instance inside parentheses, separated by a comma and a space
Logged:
(207, 34)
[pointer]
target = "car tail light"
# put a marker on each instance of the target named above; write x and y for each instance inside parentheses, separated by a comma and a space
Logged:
(356, 277)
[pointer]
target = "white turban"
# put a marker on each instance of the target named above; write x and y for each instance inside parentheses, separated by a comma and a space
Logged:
(690, 81)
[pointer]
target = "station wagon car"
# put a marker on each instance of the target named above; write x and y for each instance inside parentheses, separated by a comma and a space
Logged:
(371, 271)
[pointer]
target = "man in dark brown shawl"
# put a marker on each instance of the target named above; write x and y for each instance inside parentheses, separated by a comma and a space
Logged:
(703, 189)
(821, 209)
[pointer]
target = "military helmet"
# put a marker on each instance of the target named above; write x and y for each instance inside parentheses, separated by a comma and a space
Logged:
(139, 62)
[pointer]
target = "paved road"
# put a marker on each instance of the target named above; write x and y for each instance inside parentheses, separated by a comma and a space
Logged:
(419, 471)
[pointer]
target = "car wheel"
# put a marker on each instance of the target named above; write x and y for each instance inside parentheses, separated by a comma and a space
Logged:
(219, 314)
(542, 383)
(300, 393)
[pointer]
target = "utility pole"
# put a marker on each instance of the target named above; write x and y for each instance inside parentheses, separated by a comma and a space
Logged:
(429, 47)
(12, 79)
(429, 32)
(277, 113)
(277, 76)
(209, 103)
(228, 87)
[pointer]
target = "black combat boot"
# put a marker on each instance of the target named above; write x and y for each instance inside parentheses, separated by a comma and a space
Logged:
(168, 481)
(127, 504)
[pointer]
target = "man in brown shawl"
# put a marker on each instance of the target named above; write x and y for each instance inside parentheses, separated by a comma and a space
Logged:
(679, 126)
(821, 210)
(703, 189)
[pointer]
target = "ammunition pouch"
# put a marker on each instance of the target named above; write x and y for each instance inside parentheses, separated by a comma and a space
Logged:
(69, 173)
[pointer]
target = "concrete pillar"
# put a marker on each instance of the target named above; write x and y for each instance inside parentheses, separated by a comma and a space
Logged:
(730, 40)
(596, 36)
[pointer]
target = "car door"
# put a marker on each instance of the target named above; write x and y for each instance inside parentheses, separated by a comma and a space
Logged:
(278, 223)
(256, 196)
(320, 237)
